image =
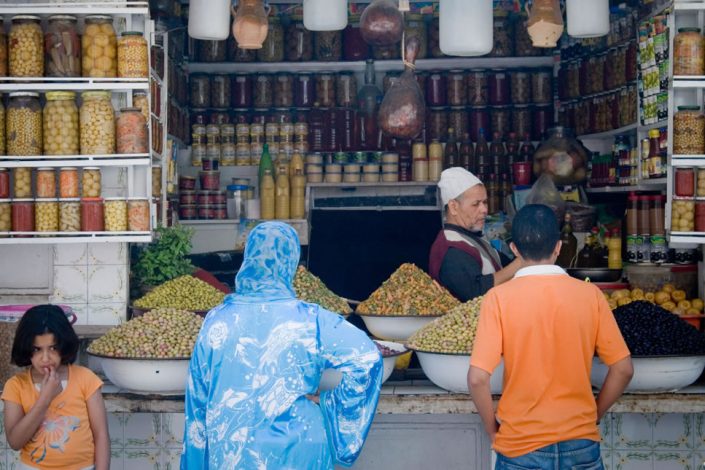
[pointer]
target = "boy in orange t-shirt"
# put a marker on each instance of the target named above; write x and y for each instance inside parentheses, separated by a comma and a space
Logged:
(547, 327)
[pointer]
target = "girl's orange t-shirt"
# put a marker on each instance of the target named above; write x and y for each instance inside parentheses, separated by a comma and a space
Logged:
(64, 440)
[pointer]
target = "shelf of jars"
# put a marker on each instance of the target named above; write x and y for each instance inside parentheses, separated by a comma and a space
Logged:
(689, 81)
(642, 129)
(655, 184)
(39, 84)
(109, 7)
(380, 65)
(133, 159)
(44, 238)
(687, 160)
(614, 132)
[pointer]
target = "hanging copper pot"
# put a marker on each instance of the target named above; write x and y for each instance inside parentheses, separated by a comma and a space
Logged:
(545, 24)
(250, 25)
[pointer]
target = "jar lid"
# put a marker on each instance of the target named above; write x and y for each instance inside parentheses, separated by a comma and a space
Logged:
(136, 198)
(209, 172)
(115, 199)
(139, 93)
(99, 17)
(187, 177)
(26, 17)
(689, 108)
(91, 168)
(236, 187)
(23, 199)
(95, 94)
(45, 168)
(69, 199)
(683, 198)
(91, 199)
(60, 95)
(132, 33)
(46, 199)
(62, 17)
(689, 30)
(24, 93)
(131, 110)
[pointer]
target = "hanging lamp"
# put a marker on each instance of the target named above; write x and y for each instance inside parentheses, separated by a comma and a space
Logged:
(325, 15)
(209, 20)
(545, 24)
(465, 27)
(588, 18)
(250, 25)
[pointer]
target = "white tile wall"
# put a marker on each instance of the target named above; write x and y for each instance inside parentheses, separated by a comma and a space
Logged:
(70, 284)
(107, 253)
(107, 284)
(71, 254)
(106, 314)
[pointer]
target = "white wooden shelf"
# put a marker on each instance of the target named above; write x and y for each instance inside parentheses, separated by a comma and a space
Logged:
(40, 84)
(688, 6)
(76, 8)
(687, 237)
(602, 135)
(136, 159)
(380, 65)
(688, 160)
(44, 238)
(656, 125)
(399, 184)
(689, 81)
(656, 184)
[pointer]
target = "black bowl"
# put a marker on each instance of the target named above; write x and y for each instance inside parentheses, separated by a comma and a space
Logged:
(596, 274)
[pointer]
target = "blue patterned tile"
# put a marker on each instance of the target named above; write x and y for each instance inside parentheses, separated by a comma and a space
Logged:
(673, 431)
(632, 460)
(633, 431)
(116, 427)
(673, 460)
(12, 459)
(142, 459)
(172, 430)
(699, 427)
(607, 432)
(142, 430)
(606, 458)
(170, 459)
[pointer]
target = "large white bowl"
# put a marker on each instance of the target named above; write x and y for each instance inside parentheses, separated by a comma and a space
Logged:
(330, 378)
(655, 374)
(151, 376)
(450, 371)
(396, 327)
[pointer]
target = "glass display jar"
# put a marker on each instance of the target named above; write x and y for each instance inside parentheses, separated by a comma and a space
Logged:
(500, 120)
(4, 183)
(2, 124)
(283, 90)
(684, 182)
(237, 54)
(457, 91)
(220, 91)
(328, 46)
(498, 89)
(211, 51)
(346, 89)
(520, 84)
(60, 124)
(115, 214)
(46, 215)
(304, 90)
(479, 117)
(476, 80)
(273, 46)
(354, 46)
(263, 91)
(3, 49)
(97, 123)
(458, 120)
(502, 36)
(299, 41)
(542, 120)
(242, 91)
(131, 132)
(92, 214)
(689, 52)
(22, 182)
(132, 55)
(68, 182)
(437, 124)
(70, 215)
(688, 131)
(99, 47)
(26, 47)
(521, 120)
(325, 89)
(200, 86)
(683, 215)
(541, 91)
(90, 182)
(139, 100)
(700, 183)
(24, 124)
(22, 215)
(46, 182)
(62, 47)
(573, 79)
(415, 26)
(436, 89)
(5, 215)
(138, 215)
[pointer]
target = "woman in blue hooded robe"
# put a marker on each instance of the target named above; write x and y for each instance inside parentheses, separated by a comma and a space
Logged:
(258, 356)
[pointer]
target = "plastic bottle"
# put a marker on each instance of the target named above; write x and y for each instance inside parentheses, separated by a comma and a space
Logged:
(467, 152)
(297, 208)
(497, 154)
(569, 245)
(267, 196)
(282, 203)
(450, 153)
(369, 97)
(482, 156)
(265, 163)
(296, 163)
(614, 245)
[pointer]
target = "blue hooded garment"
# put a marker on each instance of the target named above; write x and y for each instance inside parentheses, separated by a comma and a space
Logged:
(258, 354)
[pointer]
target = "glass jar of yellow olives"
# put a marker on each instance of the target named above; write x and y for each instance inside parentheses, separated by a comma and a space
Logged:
(60, 123)
(99, 47)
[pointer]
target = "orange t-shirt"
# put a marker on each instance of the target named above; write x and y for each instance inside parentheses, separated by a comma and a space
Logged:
(547, 328)
(64, 440)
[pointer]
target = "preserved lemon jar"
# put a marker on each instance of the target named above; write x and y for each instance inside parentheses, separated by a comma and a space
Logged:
(90, 182)
(60, 123)
(46, 215)
(5, 215)
(97, 123)
(688, 131)
(62, 47)
(99, 47)
(68, 182)
(138, 215)
(22, 186)
(24, 124)
(70, 215)
(131, 132)
(26, 47)
(3, 49)
(46, 182)
(132, 55)
(115, 215)
(688, 52)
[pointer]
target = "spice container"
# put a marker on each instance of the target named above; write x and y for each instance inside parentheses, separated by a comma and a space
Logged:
(26, 47)
(22, 184)
(521, 120)
(5, 215)
(242, 91)
(327, 46)
(500, 120)
(24, 124)
(60, 124)
(132, 55)
(346, 89)
(99, 47)
(138, 215)
(688, 131)
(210, 180)
(211, 51)
(700, 184)
(325, 89)
(299, 41)
(541, 91)
(220, 91)
(437, 124)
(684, 182)
(458, 120)
(46, 182)
(46, 215)
(62, 47)
(97, 123)
(520, 84)
(498, 89)
(70, 215)
(283, 90)
(477, 87)
(479, 118)
(131, 132)
(273, 46)
(263, 91)
(90, 182)
(457, 91)
(688, 52)
(416, 27)
(354, 46)
(502, 36)
(436, 89)
(4, 183)
(3, 49)
(23, 215)
(200, 87)
(304, 90)
(115, 214)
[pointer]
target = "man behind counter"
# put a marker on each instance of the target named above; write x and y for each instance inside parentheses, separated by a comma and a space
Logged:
(461, 259)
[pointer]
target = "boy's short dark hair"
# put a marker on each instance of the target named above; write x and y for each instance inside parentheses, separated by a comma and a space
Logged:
(40, 320)
(535, 232)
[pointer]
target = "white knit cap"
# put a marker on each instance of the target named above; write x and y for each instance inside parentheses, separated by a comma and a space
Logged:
(454, 182)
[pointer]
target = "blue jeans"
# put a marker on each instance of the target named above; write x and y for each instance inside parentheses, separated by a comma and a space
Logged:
(578, 454)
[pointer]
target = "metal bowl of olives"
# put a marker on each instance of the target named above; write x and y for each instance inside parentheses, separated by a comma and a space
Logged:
(147, 376)
(395, 327)
(450, 371)
(655, 374)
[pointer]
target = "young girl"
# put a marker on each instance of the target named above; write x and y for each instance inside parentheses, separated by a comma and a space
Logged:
(54, 410)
